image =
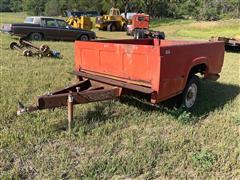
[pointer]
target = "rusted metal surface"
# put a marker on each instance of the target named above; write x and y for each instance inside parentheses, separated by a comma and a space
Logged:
(81, 93)
(60, 100)
(32, 50)
(81, 86)
(44, 49)
(114, 82)
(25, 52)
(70, 111)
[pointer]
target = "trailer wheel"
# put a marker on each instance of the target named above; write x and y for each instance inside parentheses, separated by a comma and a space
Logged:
(84, 37)
(111, 27)
(36, 36)
(190, 93)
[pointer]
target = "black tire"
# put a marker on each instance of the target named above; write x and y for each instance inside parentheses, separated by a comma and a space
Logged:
(36, 37)
(138, 34)
(190, 93)
(161, 35)
(124, 28)
(84, 37)
(111, 27)
(135, 34)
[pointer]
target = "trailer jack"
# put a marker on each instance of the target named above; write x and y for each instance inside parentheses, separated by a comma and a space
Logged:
(85, 91)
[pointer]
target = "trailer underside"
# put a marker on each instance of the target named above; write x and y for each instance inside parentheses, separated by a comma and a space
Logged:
(90, 88)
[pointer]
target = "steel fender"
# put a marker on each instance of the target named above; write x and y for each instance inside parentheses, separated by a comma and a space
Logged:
(199, 60)
(195, 62)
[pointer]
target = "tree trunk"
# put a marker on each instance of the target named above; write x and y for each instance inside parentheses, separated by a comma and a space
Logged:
(126, 5)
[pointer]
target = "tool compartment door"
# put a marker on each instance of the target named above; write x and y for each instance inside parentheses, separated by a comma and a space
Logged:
(139, 64)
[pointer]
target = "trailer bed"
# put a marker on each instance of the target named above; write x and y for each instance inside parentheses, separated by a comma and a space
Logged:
(156, 69)
(160, 65)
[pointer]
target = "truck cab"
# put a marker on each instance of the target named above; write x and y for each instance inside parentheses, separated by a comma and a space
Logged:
(139, 21)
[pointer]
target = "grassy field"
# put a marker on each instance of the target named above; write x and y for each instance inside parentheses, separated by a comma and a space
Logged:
(123, 138)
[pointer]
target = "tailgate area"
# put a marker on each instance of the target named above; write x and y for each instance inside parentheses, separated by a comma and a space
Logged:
(130, 61)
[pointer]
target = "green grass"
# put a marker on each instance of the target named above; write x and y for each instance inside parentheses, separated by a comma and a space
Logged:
(227, 28)
(167, 22)
(9, 18)
(116, 139)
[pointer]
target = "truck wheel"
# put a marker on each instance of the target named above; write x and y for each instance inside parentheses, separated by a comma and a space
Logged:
(36, 36)
(84, 37)
(161, 35)
(138, 35)
(190, 93)
(111, 27)
(135, 36)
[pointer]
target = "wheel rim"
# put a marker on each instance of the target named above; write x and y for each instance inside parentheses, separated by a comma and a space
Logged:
(36, 37)
(138, 36)
(135, 35)
(191, 96)
(84, 38)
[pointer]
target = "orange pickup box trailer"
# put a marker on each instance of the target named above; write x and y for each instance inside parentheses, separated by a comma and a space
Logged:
(157, 69)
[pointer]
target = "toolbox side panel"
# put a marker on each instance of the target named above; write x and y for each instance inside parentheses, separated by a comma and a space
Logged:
(178, 60)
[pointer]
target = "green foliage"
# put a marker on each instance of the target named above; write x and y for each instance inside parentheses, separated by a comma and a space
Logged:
(185, 117)
(237, 120)
(52, 8)
(11, 5)
(204, 160)
(197, 9)
(182, 116)
(34, 7)
(5, 6)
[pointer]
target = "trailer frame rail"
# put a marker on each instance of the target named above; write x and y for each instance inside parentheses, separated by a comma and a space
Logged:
(85, 91)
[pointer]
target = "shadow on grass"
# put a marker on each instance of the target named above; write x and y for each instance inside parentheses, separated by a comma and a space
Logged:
(232, 49)
(212, 96)
(98, 114)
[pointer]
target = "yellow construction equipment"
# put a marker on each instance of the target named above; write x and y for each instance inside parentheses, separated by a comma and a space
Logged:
(81, 22)
(112, 22)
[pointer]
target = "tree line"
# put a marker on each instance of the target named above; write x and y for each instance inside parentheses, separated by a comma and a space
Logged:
(197, 9)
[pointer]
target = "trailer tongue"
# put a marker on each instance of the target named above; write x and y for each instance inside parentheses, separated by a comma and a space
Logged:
(82, 92)
(85, 91)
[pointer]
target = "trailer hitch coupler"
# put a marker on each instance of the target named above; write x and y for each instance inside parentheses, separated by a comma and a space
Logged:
(21, 109)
